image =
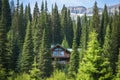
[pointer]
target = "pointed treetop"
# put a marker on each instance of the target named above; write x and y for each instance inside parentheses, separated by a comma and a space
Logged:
(56, 7)
(17, 5)
(65, 43)
(42, 6)
(46, 9)
(36, 11)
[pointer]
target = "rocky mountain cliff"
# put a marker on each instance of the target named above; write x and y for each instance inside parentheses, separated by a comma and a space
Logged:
(80, 10)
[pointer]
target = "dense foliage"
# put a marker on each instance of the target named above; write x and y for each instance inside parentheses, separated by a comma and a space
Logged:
(25, 41)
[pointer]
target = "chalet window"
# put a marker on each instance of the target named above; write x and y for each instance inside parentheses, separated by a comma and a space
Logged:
(58, 52)
(62, 53)
(55, 53)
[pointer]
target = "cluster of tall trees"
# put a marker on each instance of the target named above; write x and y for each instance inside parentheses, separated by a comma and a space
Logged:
(25, 40)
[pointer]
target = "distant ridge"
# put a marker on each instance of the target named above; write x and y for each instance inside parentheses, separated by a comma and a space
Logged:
(81, 10)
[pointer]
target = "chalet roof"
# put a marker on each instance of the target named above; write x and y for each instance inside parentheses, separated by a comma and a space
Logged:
(70, 49)
(59, 46)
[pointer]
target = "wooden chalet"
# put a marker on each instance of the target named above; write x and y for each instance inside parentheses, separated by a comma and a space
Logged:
(60, 54)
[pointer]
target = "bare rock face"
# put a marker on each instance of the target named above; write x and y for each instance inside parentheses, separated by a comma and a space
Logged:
(79, 10)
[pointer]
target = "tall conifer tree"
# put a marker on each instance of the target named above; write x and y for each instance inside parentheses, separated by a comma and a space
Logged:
(70, 32)
(22, 26)
(84, 37)
(37, 38)
(15, 39)
(35, 11)
(4, 49)
(46, 8)
(95, 18)
(114, 44)
(107, 43)
(17, 33)
(40, 25)
(95, 21)
(6, 10)
(107, 47)
(74, 60)
(42, 7)
(78, 32)
(44, 57)
(64, 21)
(104, 23)
(27, 56)
(47, 23)
(56, 27)
(66, 25)
(29, 16)
(93, 65)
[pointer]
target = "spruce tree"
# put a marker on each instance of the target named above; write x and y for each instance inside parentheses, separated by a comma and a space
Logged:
(107, 47)
(17, 34)
(107, 43)
(26, 14)
(69, 29)
(46, 8)
(104, 23)
(94, 66)
(66, 25)
(114, 44)
(4, 49)
(56, 27)
(15, 39)
(47, 23)
(84, 37)
(95, 18)
(36, 36)
(42, 20)
(40, 25)
(78, 32)
(35, 28)
(74, 60)
(27, 55)
(44, 57)
(65, 43)
(6, 10)
(17, 6)
(95, 21)
(64, 21)
(42, 7)
(35, 11)
(13, 50)
(22, 26)
(29, 15)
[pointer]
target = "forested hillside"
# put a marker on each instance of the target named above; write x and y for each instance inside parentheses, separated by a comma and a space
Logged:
(26, 39)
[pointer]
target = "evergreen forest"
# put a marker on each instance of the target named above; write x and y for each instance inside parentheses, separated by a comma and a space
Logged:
(26, 39)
